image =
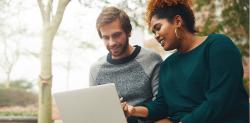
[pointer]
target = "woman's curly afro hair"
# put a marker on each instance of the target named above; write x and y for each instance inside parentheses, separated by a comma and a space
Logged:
(169, 8)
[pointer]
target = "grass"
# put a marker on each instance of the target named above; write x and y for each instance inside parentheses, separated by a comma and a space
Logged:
(11, 113)
(18, 111)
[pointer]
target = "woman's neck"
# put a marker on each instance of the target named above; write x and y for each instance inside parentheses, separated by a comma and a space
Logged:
(190, 41)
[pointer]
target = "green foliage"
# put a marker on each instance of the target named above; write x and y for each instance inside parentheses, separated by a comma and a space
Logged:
(230, 17)
(134, 8)
(201, 3)
(236, 20)
(246, 84)
(19, 85)
(16, 97)
(236, 14)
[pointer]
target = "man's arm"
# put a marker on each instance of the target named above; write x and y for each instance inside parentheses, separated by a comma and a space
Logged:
(92, 81)
(155, 80)
(154, 74)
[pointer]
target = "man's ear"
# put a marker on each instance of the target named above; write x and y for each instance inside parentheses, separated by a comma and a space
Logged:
(178, 21)
(129, 34)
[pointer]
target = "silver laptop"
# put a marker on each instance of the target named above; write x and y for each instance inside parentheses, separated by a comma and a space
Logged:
(97, 104)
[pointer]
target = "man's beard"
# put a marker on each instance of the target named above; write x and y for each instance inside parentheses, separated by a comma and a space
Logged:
(124, 48)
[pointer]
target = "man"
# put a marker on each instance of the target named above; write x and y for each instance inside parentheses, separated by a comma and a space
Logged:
(133, 69)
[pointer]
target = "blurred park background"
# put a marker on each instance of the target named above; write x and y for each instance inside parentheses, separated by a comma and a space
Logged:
(77, 45)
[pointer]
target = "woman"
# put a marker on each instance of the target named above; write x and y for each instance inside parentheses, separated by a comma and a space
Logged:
(202, 81)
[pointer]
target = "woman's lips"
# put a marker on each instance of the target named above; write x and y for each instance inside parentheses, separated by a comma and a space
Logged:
(162, 42)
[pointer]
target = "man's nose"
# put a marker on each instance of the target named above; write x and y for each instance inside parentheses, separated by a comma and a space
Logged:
(112, 42)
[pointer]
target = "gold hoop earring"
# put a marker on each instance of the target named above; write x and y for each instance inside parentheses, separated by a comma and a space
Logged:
(176, 34)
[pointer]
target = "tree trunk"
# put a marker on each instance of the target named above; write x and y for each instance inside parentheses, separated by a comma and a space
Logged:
(45, 102)
(7, 83)
(51, 24)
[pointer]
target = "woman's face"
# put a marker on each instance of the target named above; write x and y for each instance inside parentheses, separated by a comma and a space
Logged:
(164, 33)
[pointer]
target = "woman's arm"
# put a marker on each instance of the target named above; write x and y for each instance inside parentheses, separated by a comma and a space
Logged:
(138, 111)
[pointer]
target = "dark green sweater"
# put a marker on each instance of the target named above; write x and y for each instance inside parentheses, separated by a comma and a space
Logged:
(203, 85)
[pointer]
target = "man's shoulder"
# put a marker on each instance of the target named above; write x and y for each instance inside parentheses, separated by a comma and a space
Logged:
(100, 62)
(148, 54)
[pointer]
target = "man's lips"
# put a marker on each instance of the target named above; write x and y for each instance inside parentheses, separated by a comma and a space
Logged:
(115, 49)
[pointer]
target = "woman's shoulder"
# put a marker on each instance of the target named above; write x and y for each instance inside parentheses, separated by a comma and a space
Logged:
(219, 41)
(219, 38)
(221, 44)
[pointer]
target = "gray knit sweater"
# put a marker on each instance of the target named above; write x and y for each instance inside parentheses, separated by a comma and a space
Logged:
(135, 77)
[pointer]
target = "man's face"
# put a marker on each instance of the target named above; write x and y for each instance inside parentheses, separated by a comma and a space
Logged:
(115, 39)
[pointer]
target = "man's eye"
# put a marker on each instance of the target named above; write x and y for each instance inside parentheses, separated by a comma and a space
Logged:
(117, 34)
(105, 38)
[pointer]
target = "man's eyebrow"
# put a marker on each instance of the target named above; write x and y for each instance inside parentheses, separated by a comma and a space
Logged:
(116, 33)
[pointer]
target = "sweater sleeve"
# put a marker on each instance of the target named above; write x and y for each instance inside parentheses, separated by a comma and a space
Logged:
(226, 72)
(157, 109)
(150, 62)
(155, 78)
(92, 81)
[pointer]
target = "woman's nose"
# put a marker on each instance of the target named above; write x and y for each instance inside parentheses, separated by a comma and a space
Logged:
(157, 36)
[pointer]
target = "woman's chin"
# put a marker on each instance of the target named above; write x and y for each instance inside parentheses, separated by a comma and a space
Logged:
(166, 48)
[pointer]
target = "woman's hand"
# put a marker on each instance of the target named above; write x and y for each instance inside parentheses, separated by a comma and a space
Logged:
(128, 109)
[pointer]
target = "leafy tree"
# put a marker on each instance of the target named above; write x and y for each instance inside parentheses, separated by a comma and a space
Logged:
(230, 17)
(134, 8)
(9, 34)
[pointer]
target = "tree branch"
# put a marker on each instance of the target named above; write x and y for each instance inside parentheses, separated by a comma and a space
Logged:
(56, 21)
(49, 10)
(41, 6)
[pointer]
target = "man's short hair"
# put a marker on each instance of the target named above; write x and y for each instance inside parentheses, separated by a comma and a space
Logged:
(109, 14)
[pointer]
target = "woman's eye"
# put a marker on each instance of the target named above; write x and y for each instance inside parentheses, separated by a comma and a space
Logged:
(158, 27)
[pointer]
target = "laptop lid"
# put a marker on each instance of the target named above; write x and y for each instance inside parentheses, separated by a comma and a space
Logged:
(96, 104)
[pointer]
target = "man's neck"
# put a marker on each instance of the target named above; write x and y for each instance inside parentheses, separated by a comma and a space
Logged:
(128, 52)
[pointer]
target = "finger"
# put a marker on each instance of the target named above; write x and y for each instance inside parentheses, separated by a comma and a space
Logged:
(125, 108)
(122, 105)
(121, 99)
(130, 109)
